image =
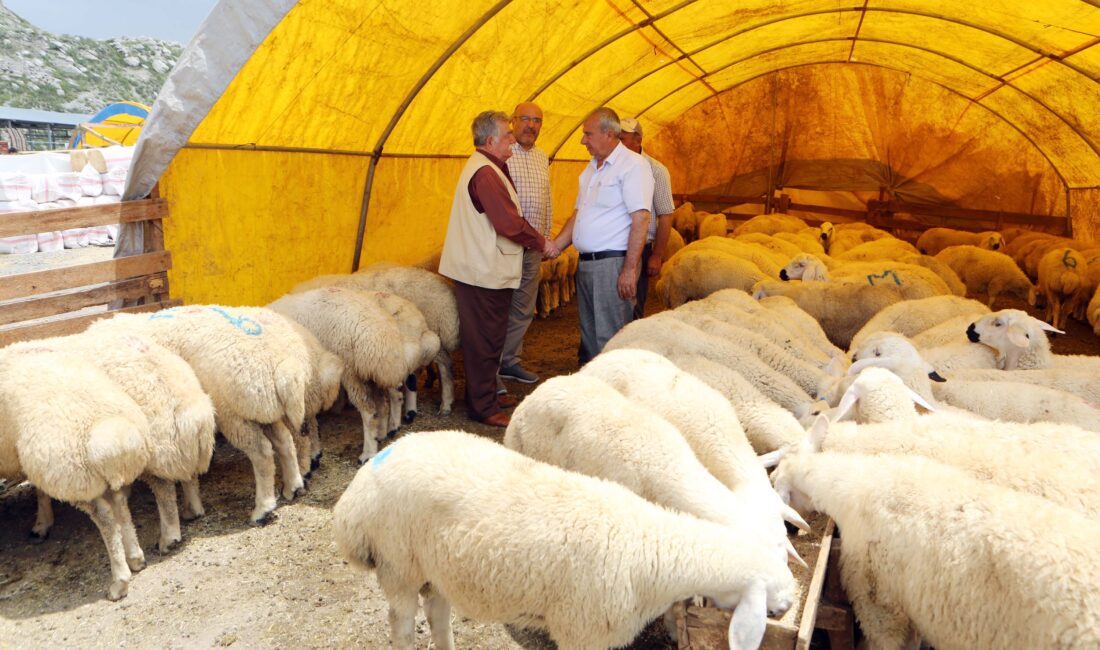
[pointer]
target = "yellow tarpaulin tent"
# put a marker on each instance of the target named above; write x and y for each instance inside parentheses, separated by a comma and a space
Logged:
(295, 137)
(116, 124)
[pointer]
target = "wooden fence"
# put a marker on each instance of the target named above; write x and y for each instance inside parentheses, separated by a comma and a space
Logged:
(65, 300)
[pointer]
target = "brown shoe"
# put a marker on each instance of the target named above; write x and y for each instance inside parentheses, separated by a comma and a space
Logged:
(506, 401)
(497, 420)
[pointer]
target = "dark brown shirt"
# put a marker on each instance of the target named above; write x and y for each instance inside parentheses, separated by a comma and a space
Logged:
(490, 196)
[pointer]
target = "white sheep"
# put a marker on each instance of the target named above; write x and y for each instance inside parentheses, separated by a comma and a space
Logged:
(770, 224)
(934, 240)
(808, 240)
(910, 281)
(1061, 274)
(988, 272)
(699, 273)
(949, 277)
(1020, 342)
(255, 368)
(706, 420)
(790, 314)
(841, 309)
(765, 259)
(911, 317)
(358, 327)
(327, 371)
(663, 332)
(530, 544)
(430, 292)
(179, 413)
(713, 225)
(78, 437)
(931, 553)
(887, 248)
(684, 222)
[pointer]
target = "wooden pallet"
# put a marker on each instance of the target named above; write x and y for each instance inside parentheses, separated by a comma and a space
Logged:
(705, 628)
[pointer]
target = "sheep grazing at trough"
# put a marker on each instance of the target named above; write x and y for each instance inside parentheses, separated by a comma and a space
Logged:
(179, 413)
(912, 317)
(1007, 400)
(430, 292)
(378, 353)
(934, 240)
(841, 309)
(932, 554)
(988, 272)
(908, 280)
(257, 382)
(530, 544)
(323, 388)
(70, 430)
(662, 333)
(706, 420)
(698, 274)
(1061, 274)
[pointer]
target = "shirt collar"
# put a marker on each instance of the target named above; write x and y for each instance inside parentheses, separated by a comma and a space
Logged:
(496, 161)
(612, 157)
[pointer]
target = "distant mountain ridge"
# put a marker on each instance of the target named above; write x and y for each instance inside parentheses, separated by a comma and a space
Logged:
(73, 74)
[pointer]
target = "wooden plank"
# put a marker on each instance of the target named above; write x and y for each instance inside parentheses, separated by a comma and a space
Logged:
(41, 307)
(833, 618)
(824, 209)
(718, 198)
(706, 629)
(65, 326)
(966, 213)
(809, 612)
(69, 277)
(29, 223)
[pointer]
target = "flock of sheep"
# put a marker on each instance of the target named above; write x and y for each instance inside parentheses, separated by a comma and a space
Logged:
(958, 455)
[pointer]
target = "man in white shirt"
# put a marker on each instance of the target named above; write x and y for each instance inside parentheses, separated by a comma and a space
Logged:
(653, 255)
(529, 167)
(608, 227)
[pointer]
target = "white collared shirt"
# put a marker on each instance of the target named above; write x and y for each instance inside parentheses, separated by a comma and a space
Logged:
(606, 197)
(530, 171)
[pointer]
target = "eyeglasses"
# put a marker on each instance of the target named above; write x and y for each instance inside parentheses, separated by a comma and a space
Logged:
(527, 119)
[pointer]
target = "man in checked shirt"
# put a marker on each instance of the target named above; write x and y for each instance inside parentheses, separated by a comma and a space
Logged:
(529, 167)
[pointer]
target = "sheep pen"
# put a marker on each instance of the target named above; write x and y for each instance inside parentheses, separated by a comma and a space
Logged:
(285, 581)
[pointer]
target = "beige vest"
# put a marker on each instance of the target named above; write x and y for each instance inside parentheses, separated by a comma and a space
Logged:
(473, 253)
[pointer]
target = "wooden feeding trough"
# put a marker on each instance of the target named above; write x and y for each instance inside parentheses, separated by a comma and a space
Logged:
(822, 604)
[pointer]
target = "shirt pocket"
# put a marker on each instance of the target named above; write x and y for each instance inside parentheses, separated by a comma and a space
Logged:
(609, 193)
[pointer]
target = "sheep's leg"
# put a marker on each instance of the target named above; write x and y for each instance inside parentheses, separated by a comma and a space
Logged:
(135, 557)
(165, 494)
(103, 518)
(438, 611)
(315, 449)
(249, 438)
(403, 620)
(192, 502)
(303, 447)
(283, 443)
(410, 398)
(43, 521)
(362, 397)
(446, 381)
(396, 399)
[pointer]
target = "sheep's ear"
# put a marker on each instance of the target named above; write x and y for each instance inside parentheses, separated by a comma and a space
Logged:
(815, 272)
(791, 516)
(772, 458)
(872, 362)
(1049, 328)
(793, 554)
(935, 376)
(1017, 336)
(750, 618)
(835, 367)
(920, 400)
(851, 396)
(818, 430)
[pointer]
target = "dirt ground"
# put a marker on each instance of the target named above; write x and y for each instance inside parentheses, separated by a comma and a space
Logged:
(233, 584)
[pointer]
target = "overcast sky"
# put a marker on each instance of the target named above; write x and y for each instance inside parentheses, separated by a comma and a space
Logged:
(170, 20)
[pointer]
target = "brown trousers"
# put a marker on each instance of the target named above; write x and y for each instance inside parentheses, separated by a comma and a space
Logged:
(483, 324)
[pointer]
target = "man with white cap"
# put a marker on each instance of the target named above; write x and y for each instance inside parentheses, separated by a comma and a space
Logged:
(653, 255)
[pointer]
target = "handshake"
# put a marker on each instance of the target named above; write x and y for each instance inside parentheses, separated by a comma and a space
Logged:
(550, 250)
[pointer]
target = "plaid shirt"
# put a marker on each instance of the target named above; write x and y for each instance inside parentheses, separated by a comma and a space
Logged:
(662, 194)
(530, 170)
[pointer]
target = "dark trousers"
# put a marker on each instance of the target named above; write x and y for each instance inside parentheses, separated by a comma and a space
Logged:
(643, 283)
(483, 324)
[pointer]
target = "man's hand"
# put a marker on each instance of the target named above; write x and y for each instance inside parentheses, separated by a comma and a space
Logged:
(653, 266)
(550, 250)
(628, 283)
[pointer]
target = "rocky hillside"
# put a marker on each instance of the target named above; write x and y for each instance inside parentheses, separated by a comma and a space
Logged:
(73, 74)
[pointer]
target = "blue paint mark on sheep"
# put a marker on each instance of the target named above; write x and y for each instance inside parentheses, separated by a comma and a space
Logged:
(380, 457)
(243, 323)
(871, 277)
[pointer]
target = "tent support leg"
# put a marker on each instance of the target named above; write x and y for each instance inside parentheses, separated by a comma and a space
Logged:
(363, 211)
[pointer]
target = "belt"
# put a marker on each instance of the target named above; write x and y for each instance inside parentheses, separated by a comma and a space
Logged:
(599, 255)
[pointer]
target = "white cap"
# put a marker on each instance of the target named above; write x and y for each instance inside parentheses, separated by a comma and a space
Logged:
(630, 125)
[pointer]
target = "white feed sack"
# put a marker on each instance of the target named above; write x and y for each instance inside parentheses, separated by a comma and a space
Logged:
(14, 186)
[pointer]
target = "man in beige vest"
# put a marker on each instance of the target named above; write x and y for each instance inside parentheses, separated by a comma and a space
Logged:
(483, 254)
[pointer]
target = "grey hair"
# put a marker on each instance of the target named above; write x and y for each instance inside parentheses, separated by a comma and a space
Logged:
(609, 120)
(486, 125)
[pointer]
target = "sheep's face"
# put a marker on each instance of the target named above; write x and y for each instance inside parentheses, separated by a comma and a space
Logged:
(993, 241)
(1002, 330)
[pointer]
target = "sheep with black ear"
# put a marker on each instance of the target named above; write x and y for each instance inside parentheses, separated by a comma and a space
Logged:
(530, 544)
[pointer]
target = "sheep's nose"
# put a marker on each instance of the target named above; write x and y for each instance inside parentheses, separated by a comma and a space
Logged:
(783, 275)
(972, 334)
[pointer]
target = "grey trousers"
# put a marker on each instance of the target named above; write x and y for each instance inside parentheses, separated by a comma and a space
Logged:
(602, 312)
(522, 311)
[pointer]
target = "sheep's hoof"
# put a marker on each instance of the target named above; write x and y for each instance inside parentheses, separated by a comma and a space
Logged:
(444, 411)
(391, 433)
(315, 462)
(135, 563)
(37, 538)
(187, 515)
(265, 519)
(410, 416)
(166, 545)
(118, 589)
(299, 492)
